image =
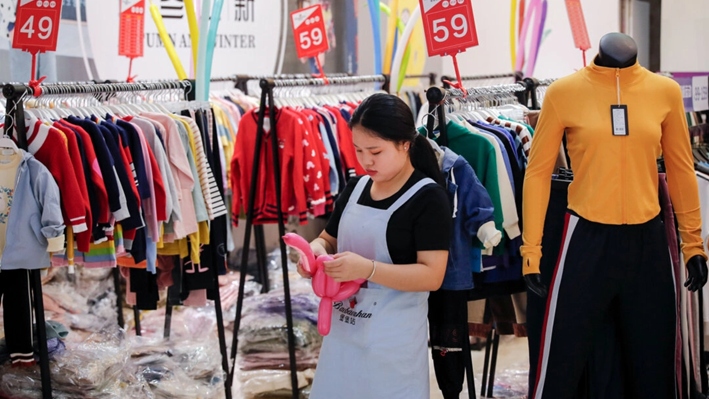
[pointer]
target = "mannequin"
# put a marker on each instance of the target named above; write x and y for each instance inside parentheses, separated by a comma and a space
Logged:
(618, 119)
(618, 50)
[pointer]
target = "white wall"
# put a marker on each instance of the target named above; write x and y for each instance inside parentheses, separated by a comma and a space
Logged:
(365, 55)
(684, 31)
(641, 30)
(557, 56)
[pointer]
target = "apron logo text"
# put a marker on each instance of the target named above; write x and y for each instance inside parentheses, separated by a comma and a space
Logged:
(350, 313)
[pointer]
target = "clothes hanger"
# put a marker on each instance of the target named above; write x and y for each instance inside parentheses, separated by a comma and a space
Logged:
(7, 142)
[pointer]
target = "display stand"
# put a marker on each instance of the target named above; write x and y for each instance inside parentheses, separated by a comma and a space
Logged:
(267, 103)
(15, 121)
(241, 83)
(437, 98)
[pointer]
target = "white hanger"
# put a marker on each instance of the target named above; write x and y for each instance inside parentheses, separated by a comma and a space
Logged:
(7, 142)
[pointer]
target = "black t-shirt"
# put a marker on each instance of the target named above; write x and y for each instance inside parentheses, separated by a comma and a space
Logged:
(423, 223)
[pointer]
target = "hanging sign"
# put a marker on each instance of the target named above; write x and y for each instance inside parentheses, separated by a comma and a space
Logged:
(700, 93)
(695, 89)
(250, 39)
(449, 26)
(131, 28)
(37, 25)
(309, 31)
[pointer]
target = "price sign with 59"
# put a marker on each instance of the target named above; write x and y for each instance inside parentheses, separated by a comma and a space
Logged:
(309, 31)
(449, 26)
(37, 25)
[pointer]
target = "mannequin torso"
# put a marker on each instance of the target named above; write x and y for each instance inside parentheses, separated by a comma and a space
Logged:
(617, 50)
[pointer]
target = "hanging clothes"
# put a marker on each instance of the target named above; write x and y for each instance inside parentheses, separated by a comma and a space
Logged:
(146, 186)
(491, 142)
(317, 159)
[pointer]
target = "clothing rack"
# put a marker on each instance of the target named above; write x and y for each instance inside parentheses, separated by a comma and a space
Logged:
(333, 81)
(15, 110)
(240, 81)
(437, 97)
(431, 77)
(517, 76)
(267, 103)
(15, 95)
(539, 84)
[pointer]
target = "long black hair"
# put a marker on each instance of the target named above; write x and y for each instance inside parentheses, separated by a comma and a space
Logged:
(389, 118)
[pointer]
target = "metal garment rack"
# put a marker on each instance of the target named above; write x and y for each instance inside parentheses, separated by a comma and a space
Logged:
(15, 95)
(517, 76)
(241, 81)
(267, 103)
(437, 97)
(431, 77)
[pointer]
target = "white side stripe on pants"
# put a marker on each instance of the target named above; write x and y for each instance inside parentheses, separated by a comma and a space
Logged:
(551, 312)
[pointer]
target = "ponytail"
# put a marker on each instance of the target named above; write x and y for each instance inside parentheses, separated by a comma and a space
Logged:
(423, 158)
(391, 119)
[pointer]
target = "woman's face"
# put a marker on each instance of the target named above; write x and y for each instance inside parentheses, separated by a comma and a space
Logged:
(381, 159)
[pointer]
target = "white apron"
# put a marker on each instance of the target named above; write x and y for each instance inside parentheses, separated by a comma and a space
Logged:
(377, 347)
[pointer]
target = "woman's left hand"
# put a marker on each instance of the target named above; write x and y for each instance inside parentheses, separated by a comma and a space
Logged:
(348, 266)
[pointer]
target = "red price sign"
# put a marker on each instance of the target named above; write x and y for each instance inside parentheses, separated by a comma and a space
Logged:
(309, 31)
(37, 25)
(131, 28)
(449, 26)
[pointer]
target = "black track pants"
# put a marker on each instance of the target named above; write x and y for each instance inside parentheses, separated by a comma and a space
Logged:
(610, 269)
(16, 299)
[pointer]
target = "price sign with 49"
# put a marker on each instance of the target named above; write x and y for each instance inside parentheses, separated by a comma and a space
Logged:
(37, 25)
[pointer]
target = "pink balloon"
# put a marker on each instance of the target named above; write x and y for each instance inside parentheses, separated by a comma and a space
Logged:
(324, 286)
(319, 282)
(331, 287)
(347, 289)
(303, 247)
(325, 316)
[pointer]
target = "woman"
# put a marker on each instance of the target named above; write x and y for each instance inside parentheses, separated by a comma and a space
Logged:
(391, 227)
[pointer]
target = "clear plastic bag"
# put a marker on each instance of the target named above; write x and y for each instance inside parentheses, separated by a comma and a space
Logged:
(88, 369)
(271, 383)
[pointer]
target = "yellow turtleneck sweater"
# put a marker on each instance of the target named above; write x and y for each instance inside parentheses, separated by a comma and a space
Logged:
(615, 177)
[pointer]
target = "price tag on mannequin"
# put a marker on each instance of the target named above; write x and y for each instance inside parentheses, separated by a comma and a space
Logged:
(449, 26)
(36, 27)
(131, 31)
(310, 33)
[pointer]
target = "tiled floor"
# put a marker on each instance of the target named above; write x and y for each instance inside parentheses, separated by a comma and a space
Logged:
(511, 375)
(511, 372)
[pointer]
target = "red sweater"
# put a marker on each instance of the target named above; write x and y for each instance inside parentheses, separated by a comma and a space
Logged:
(83, 239)
(295, 166)
(322, 163)
(49, 146)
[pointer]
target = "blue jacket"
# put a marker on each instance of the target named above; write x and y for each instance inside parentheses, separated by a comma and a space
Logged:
(472, 220)
(35, 225)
